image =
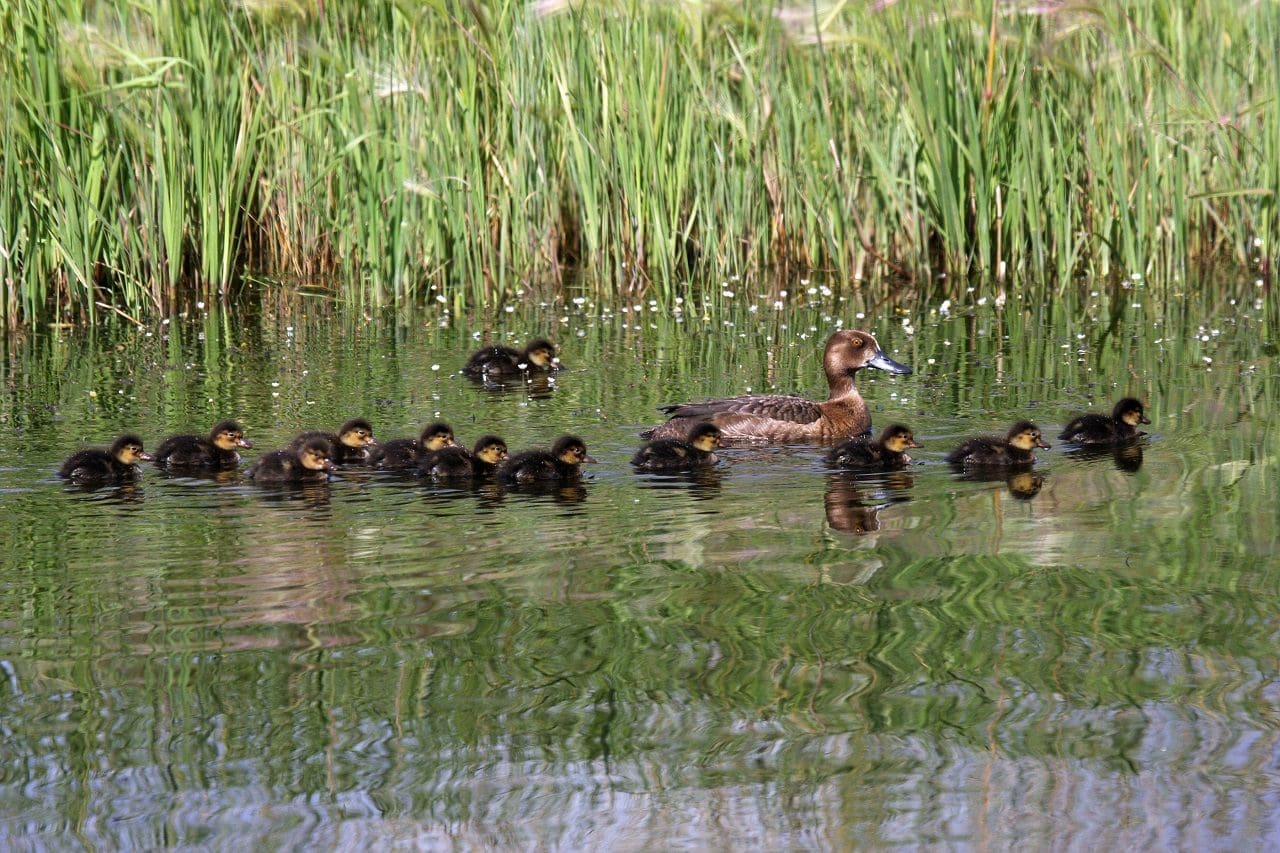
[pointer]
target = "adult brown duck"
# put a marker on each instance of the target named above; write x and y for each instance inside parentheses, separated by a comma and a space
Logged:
(783, 419)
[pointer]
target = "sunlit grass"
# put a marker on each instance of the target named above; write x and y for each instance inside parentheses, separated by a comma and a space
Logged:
(155, 153)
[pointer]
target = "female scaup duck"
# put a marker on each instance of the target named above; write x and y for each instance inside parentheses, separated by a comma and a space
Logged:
(405, 453)
(777, 418)
(497, 362)
(217, 450)
(886, 453)
(1099, 430)
(1016, 448)
(349, 447)
(102, 466)
(560, 464)
(674, 454)
(309, 461)
(458, 463)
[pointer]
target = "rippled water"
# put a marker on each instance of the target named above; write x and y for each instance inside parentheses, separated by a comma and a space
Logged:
(771, 655)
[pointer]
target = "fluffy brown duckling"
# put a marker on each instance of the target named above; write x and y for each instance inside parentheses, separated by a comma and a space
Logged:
(307, 462)
(403, 454)
(458, 463)
(1099, 430)
(498, 362)
(94, 465)
(350, 446)
(781, 419)
(216, 451)
(1016, 448)
(886, 453)
(674, 454)
(560, 464)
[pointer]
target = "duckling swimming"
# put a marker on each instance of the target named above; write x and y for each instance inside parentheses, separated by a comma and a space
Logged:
(216, 451)
(308, 462)
(458, 463)
(1099, 430)
(887, 453)
(674, 454)
(560, 464)
(780, 419)
(498, 362)
(349, 447)
(401, 454)
(118, 464)
(1016, 448)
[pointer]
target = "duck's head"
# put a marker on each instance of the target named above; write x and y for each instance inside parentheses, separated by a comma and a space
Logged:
(571, 450)
(228, 435)
(356, 432)
(1130, 411)
(1025, 435)
(127, 450)
(491, 449)
(437, 436)
(898, 438)
(315, 455)
(541, 354)
(705, 436)
(850, 350)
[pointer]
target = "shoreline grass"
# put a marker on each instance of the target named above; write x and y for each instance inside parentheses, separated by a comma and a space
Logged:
(157, 153)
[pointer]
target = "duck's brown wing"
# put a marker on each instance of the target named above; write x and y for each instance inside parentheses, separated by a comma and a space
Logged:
(778, 407)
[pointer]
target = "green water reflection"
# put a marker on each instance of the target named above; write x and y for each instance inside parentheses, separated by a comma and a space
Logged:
(767, 655)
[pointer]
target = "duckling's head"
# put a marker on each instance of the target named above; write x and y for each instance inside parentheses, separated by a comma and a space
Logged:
(356, 432)
(1130, 411)
(228, 435)
(437, 436)
(898, 438)
(1025, 435)
(571, 450)
(315, 455)
(705, 436)
(127, 450)
(540, 354)
(850, 350)
(491, 449)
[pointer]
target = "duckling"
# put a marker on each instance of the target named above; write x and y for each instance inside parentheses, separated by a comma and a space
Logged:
(560, 464)
(458, 463)
(673, 454)
(1098, 429)
(782, 419)
(496, 362)
(404, 453)
(349, 447)
(308, 462)
(886, 453)
(102, 466)
(1014, 449)
(217, 451)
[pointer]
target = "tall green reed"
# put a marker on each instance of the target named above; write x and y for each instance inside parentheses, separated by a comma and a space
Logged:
(382, 155)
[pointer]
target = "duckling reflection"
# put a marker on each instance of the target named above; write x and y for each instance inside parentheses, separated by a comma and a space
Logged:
(1023, 484)
(700, 484)
(853, 502)
(1127, 456)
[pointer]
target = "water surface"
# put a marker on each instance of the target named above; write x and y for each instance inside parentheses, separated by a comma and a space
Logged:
(770, 655)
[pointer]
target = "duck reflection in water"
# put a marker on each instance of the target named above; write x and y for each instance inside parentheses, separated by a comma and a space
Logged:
(1127, 456)
(1023, 484)
(700, 484)
(853, 502)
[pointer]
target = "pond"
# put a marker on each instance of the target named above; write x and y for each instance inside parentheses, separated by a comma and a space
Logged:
(771, 655)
